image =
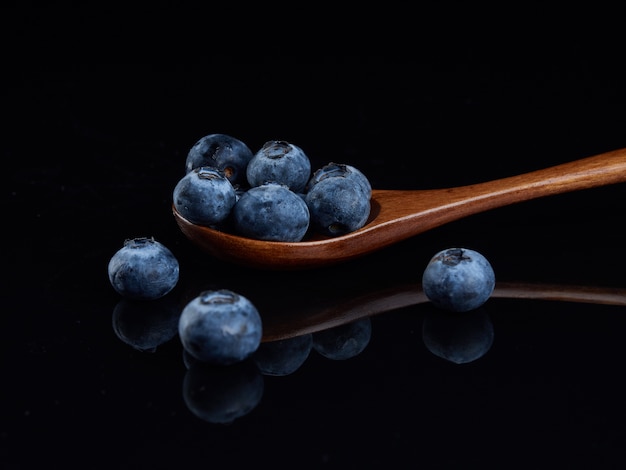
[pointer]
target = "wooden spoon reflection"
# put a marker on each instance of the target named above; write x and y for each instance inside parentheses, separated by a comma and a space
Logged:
(313, 319)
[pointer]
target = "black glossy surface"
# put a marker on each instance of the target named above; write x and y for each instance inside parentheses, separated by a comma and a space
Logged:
(91, 156)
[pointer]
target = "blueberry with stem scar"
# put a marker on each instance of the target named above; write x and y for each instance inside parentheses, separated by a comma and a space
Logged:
(223, 152)
(143, 269)
(220, 327)
(458, 279)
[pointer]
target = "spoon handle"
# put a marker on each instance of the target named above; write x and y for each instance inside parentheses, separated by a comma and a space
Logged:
(599, 170)
(403, 214)
(419, 210)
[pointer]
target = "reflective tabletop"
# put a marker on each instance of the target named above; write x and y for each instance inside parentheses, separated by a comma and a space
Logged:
(356, 367)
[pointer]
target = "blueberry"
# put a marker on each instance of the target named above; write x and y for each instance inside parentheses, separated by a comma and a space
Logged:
(342, 170)
(280, 162)
(283, 357)
(223, 152)
(143, 269)
(458, 279)
(338, 205)
(271, 212)
(205, 196)
(344, 341)
(458, 338)
(221, 395)
(220, 327)
(146, 325)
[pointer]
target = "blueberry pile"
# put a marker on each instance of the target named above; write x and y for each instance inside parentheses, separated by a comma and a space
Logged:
(269, 195)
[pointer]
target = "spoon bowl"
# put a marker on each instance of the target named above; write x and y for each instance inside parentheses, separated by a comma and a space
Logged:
(397, 215)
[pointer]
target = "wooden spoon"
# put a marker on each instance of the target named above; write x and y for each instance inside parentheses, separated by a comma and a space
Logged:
(400, 214)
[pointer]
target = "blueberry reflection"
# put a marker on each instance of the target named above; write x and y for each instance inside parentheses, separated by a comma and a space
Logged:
(283, 357)
(222, 394)
(344, 341)
(458, 337)
(146, 324)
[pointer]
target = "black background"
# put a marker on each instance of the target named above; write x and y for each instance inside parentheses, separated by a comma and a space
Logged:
(91, 156)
